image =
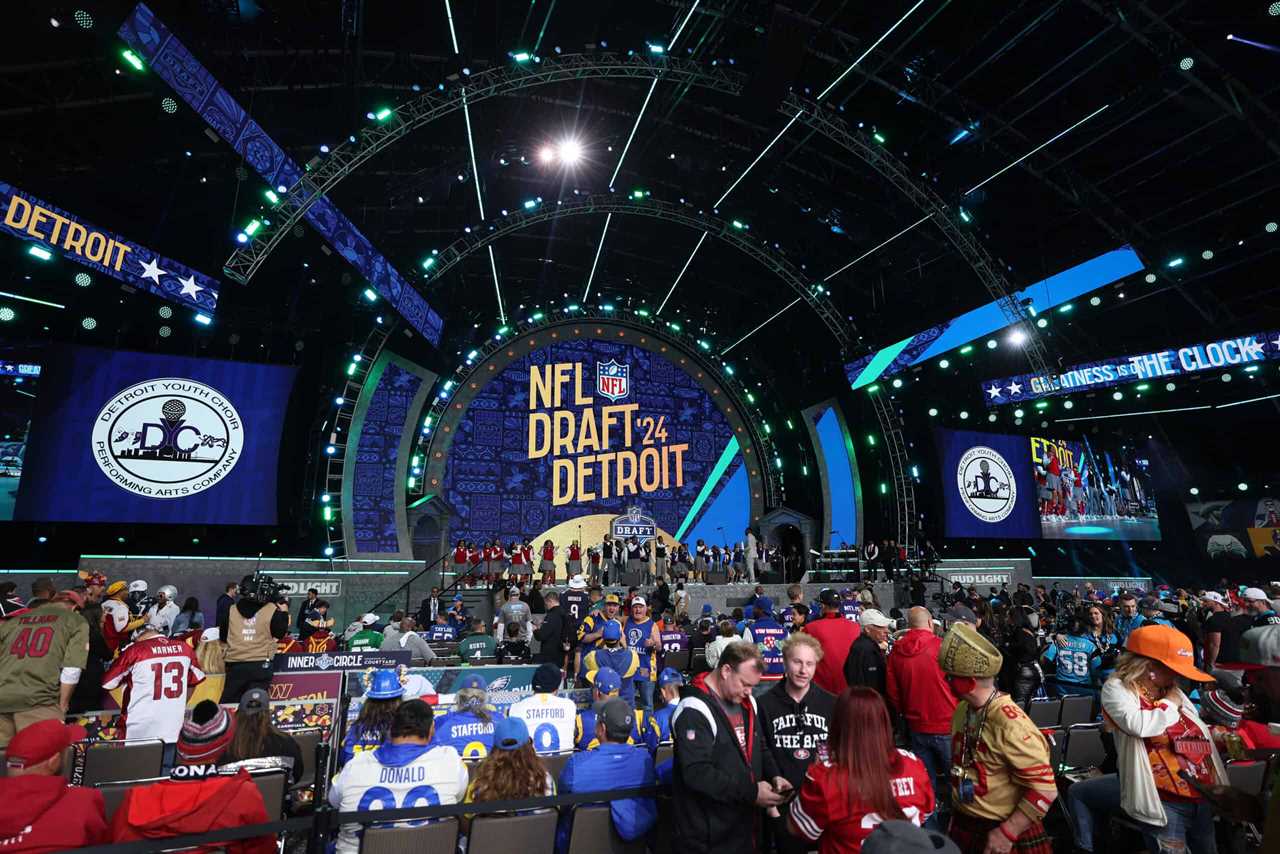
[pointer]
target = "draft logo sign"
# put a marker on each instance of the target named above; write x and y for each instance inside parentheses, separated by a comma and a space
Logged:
(167, 438)
(987, 485)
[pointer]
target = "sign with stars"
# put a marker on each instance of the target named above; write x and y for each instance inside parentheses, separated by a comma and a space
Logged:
(40, 223)
(1222, 354)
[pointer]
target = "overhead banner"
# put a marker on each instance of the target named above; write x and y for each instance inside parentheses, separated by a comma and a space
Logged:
(42, 224)
(1158, 365)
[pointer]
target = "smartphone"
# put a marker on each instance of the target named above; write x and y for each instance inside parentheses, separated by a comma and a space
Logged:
(789, 795)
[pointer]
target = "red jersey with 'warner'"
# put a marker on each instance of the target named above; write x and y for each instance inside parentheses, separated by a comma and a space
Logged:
(156, 674)
(826, 811)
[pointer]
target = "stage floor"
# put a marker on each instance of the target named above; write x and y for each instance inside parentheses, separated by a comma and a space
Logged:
(1101, 528)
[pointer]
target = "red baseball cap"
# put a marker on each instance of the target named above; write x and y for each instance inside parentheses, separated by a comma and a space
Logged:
(41, 741)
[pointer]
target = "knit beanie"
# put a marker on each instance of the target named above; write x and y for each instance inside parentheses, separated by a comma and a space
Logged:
(1218, 707)
(964, 652)
(903, 837)
(206, 734)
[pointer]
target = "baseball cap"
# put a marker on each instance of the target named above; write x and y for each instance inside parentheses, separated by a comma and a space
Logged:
(670, 676)
(1260, 647)
(962, 614)
(903, 837)
(848, 591)
(254, 702)
(577, 583)
(872, 617)
(75, 597)
(510, 734)
(611, 631)
(617, 717)
(41, 741)
(764, 603)
(1149, 604)
(1255, 593)
(638, 600)
(474, 682)
(206, 734)
(706, 608)
(1214, 596)
(1168, 646)
(546, 678)
(210, 634)
(369, 619)
(93, 579)
(606, 679)
(829, 597)
(116, 588)
(612, 599)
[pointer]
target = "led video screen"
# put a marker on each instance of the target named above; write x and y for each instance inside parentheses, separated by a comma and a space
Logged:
(19, 385)
(119, 436)
(999, 485)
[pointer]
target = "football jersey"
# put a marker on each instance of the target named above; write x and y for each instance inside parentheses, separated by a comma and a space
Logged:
(768, 636)
(576, 604)
(396, 776)
(644, 731)
(34, 648)
(466, 733)
(442, 633)
(636, 633)
(549, 719)
(826, 809)
(156, 674)
(1077, 659)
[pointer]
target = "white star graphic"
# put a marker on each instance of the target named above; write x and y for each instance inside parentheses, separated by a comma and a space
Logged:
(1277, 343)
(994, 391)
(189, 287)
(152, 271)
(1014, 388)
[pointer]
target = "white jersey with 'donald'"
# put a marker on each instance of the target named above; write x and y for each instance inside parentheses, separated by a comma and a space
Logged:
(156, 674)
(550, 721)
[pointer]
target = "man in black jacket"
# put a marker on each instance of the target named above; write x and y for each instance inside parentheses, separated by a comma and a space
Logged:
(723, 770)
(550, 633)
(865, 664)
(794, 716)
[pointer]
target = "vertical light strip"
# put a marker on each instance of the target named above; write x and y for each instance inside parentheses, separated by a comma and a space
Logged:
(493, 265)
(448, 11)
(634, 127)
(758, 158)
(877, 248)
(687, 262)
(599, 246)
(475, 173)
(867, 52)
(680, 29)
(1037, 148)
(785, 308)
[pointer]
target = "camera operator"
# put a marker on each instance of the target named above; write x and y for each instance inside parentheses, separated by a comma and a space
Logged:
(252, 628)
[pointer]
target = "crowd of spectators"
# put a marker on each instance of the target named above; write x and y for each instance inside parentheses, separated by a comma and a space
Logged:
(829, 725)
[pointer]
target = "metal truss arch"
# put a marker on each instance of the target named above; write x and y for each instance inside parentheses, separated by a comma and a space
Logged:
(610, 203)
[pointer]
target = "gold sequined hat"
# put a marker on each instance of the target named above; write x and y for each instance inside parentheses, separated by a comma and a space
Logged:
(964, 652)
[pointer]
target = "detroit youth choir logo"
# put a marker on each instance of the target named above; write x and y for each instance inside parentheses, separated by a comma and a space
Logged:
(167, 438)
(986, 482)
(613, 380)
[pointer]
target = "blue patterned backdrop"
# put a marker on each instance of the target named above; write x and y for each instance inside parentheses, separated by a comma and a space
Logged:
(495, 490)
(374, 482)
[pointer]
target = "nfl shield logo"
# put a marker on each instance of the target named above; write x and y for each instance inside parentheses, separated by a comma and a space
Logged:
(613, 380)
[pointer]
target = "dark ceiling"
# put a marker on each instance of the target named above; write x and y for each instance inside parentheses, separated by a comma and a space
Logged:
(1180, 162)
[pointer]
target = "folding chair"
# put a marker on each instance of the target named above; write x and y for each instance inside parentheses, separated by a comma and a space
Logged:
(555, 763)
(495, 834)
(113, 793)
(273, 785)
(109, 761)
(665, 753)
(593, 833)
(679, 660)
(699, 664)
(307, 740)
(1084, 747)
(439, 837)
(1076, 709)
(1045, 713)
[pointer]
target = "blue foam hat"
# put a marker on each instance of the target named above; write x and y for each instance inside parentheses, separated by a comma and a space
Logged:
(385, 685)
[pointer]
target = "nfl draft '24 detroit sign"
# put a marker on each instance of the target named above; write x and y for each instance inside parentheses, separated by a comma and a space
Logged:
(167, 438)
(987, 484)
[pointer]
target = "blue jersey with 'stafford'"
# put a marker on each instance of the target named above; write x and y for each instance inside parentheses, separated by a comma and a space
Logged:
(1077, 659)
(466, 733)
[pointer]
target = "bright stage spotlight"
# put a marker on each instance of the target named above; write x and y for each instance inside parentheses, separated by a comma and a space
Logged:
(165, 312)
(83, 19)
(570, 152)
(89, 324)
(169, 105)
(83, 280)
(1271, 228)
(1017, 338)
(1274, 10)
(7, 314)
(1186, 63)
(165, 331)
(547, 154)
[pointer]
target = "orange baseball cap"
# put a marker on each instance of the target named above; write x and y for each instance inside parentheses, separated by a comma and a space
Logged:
(1168, 646)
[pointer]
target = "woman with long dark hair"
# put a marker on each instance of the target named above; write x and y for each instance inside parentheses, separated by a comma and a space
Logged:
(188, 619)
(257, 744)
(512, 771)
(865, 780)
(372, 726)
